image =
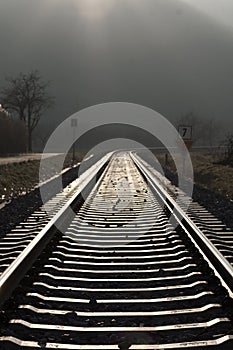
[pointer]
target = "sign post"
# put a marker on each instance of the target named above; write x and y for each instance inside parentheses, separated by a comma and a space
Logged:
(186, 132)
(74, 124)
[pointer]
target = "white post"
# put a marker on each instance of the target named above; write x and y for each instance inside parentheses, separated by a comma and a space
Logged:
(74, 126)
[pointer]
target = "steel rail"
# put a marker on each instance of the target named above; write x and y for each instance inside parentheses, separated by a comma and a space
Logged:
(18, 268)
(213, 255)
(220, 342)
(90, 295)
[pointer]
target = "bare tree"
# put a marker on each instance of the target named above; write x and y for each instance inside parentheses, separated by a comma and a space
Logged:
(26, 97)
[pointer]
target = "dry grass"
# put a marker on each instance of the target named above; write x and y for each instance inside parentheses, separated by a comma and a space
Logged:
(208, 173)
(19, 178)
(212, 175)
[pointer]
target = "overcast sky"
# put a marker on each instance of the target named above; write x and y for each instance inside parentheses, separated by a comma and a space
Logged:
(220, 10)
(175, 56)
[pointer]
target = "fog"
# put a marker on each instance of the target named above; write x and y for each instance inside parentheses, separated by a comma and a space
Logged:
(173, 56)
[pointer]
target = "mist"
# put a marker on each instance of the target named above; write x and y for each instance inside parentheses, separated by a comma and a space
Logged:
(167, 55)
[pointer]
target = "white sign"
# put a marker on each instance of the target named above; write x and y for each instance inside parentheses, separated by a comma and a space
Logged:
(185, 132)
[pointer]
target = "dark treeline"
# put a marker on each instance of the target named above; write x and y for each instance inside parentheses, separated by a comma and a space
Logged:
(13, 136)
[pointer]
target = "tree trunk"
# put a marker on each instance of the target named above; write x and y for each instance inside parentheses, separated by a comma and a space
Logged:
(29, 141)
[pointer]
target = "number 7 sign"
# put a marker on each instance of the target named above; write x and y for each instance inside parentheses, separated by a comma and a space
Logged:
(185, 132)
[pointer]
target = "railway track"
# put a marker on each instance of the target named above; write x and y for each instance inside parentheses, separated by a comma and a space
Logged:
(121, 277)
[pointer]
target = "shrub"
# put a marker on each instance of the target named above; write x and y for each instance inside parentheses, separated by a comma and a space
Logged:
(228, 157)
(13, 136)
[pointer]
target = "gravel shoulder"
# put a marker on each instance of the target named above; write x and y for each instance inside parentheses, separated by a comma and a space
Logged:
(25, 197)
(22, 176)
(25, 157)
(213, 184)
(208, 173)
(213, 189)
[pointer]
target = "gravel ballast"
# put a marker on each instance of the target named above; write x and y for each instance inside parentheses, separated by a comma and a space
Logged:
(21, 207)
